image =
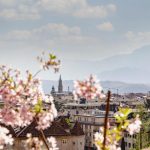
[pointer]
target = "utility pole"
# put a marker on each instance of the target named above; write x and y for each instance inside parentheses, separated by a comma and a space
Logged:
(117, 94)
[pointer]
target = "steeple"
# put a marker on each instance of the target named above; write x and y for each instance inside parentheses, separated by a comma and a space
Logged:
(60, 86)
(53, 90)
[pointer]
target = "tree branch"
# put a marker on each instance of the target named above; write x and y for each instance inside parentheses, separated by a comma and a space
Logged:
(37, 73)
(43, 136)
(106, 119)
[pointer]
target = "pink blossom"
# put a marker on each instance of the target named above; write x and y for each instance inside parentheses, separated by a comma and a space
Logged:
(89, 88)
(111, 142)
(23, 101)
(52, 143)
(45, 118)
(20, 96)
(26, 115)
(8, 116)
(5, 138)
(34, 143)
(51, 61)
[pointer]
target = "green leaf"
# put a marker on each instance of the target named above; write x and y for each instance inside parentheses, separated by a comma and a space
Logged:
(38, 107)
(52, 56)
(30, 77)
(125, 111)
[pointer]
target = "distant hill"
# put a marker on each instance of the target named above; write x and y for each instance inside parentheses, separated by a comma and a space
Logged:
(126, 74)
(140, 58)
(125, 87)
(112, 85)
(130, 68)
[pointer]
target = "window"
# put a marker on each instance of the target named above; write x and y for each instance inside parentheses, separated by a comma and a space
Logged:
(73, 143)
(80, 143)
(79, 119)
(129, 145)
(134, 136)
(86, 141)
(64, 141)
(93, 119)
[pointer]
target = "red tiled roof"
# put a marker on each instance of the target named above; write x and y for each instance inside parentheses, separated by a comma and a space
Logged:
(57, 128)
(54, 130)
(77, 130)
(63, 123)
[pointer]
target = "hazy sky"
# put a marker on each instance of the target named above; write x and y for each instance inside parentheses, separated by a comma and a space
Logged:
(74, 29)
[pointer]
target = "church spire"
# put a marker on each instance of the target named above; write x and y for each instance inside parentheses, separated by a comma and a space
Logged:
(53, 90)
(60, 86)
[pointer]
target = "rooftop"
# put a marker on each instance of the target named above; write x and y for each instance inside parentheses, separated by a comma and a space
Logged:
(57, 128)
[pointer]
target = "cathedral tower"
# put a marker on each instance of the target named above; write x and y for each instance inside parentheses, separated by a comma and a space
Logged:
(53, 90)
(60, 86)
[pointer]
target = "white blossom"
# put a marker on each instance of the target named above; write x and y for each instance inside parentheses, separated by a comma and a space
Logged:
(135, 126)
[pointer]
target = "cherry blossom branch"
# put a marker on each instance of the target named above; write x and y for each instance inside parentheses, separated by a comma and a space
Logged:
(23, 99)
(37, 73)
(106, 119)
(43, 136)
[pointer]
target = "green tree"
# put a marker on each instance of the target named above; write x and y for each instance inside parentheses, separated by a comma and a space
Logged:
(143, 138)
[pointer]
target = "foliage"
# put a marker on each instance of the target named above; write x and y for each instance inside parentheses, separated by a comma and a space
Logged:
(68, 122)
(145, 132)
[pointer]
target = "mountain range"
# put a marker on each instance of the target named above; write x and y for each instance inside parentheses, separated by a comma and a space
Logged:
(130, 68)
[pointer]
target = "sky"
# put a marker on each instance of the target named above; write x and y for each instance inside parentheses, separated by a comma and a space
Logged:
(75, 30)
